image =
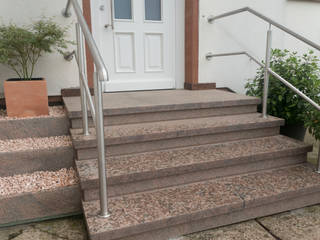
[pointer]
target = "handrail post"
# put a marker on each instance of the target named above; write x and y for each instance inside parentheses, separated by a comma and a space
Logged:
(266, 74)
(101, 147)
(83, 96)
(66, 11)
(318, 162)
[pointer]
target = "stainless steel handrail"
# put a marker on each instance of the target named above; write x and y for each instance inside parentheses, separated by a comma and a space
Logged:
(267, 19)
(211, 55)
(266, 66)
(96, 106)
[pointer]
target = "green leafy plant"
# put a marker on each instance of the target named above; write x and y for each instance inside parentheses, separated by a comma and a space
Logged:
(21, 47)
(303, 72)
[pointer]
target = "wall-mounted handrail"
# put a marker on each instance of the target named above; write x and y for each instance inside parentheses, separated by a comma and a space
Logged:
(96, 106)
(209, 56)
(267, 19)
(266, 66)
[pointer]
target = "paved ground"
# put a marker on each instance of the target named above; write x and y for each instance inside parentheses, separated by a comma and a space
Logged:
(294, 225)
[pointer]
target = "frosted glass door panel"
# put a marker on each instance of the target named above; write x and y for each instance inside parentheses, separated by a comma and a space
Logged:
(153, 10)
(123, 9)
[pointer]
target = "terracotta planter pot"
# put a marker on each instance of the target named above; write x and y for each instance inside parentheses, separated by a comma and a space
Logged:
(26, 98)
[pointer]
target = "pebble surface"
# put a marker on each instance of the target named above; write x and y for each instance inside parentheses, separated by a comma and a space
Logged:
(37, 181)
(55, 111)
(24, 144)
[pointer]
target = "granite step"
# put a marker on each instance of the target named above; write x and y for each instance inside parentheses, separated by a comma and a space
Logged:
(172, 212)
(154, 170)
(146, 137)
(55, 124)
(153, 106)
(27, 155)
(39, 206)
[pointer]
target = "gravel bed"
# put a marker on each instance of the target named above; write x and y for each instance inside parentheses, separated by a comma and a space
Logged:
(37, 181)
(24, 144)
(55, 111)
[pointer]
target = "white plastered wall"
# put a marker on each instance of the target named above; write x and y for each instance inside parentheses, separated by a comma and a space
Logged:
(245, 32)
(58, 72)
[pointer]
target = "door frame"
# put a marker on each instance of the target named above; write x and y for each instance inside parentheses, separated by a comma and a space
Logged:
(190, 74)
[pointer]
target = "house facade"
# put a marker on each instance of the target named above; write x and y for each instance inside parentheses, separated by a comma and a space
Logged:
(158, 164)
(162, 44)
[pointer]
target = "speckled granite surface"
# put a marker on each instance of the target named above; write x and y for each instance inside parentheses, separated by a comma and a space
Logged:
(189, 159)
(180, 204)
(133, 102)
(301, 224)
(145, 208)
(177, 128)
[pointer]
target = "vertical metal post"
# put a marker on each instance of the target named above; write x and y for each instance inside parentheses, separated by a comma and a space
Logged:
(266, 73)
(101, 147)
(66, 11)
(82, 68)
(318, 163)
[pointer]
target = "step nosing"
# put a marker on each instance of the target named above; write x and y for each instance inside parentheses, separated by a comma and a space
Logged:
(210, 212)
(280, 197)
(171, 108)
(189, 168)
(176, 205)
(195, 131)
(181, 219)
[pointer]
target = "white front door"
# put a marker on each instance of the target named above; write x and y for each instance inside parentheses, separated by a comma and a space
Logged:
(137, 42)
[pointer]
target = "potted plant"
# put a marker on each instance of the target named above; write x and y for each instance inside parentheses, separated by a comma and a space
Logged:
(20, 50)
(303, 73)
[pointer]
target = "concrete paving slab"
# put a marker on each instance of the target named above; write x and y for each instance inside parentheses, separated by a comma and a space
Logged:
(72, 228)
(243, 231)
(69, 228)
(295, 225)
(13, 232)
(32, 234)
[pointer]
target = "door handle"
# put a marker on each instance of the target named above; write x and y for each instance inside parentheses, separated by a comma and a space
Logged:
(108, 25)
(111, 24)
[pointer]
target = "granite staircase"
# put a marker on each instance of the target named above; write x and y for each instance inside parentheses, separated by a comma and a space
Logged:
(181, 161)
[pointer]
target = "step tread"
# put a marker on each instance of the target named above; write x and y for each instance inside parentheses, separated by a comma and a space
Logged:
(166, 100)
(34, 144)
(162, 163)
(176, 128)
(136, 213)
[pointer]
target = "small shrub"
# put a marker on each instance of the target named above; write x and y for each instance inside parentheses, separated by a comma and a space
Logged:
(301, 71)
(21, 47)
